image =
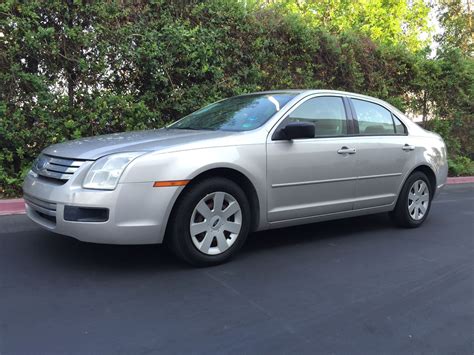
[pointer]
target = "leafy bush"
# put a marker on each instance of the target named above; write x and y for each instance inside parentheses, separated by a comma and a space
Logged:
(445, 129)
(455, 133)
(73, 69)
(461, 166)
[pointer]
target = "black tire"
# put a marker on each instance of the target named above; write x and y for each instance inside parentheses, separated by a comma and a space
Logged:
(178, 232)
(401, 214)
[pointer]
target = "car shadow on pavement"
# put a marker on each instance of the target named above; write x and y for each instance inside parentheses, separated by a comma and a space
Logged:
(68, 252)
(317, 232)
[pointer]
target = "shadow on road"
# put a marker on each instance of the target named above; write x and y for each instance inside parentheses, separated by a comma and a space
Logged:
(68, 252)
(317, 232)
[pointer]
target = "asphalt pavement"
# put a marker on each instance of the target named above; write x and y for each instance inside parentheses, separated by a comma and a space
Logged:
(354, 286)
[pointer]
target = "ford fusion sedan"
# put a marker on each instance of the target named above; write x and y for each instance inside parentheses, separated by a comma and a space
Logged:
(247, 163)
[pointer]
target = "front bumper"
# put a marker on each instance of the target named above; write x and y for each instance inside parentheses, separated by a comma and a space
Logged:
(137, 212)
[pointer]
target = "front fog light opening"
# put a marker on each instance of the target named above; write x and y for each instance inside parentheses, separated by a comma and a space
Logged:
(85, 214)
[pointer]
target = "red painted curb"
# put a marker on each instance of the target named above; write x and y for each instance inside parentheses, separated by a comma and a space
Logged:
(14, 206)
(17, 205)
(460, 180)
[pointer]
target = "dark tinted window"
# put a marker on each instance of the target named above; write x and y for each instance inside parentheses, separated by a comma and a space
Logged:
(240, 113)
(326, 113)
(373, 119)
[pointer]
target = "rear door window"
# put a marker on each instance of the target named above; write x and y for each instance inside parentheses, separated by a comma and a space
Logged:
(374, 119)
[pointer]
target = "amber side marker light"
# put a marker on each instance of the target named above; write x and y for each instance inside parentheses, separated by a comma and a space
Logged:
(170, 183)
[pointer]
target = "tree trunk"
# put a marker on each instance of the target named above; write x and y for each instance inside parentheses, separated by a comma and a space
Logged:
(425, 107)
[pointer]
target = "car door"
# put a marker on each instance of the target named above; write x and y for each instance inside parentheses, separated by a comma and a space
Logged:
(312, 176)
(383, 153)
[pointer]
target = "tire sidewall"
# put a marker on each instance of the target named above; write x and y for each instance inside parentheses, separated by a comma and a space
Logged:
(181, 236)
(402, 205)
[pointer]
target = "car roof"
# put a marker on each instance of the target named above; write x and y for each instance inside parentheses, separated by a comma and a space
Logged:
(305, 92)
(313, 91)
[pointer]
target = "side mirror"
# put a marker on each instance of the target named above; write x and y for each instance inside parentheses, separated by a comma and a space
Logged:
(297, 130)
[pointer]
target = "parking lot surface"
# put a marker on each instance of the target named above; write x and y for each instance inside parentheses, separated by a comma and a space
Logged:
(354, 286)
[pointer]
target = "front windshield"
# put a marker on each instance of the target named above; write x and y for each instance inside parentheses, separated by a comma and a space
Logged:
(240, 113)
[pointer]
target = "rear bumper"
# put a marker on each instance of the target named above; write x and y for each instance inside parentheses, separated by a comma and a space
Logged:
(137, 212)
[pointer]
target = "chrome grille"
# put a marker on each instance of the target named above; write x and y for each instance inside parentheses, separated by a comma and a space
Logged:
(56, 168)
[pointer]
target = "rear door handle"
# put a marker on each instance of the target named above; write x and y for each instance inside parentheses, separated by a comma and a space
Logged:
(346, 150)
(408, 147)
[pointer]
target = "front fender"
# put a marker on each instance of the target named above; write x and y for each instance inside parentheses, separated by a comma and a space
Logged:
(248, 159)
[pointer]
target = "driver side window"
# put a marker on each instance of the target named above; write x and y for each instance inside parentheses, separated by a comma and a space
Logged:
(327, 113)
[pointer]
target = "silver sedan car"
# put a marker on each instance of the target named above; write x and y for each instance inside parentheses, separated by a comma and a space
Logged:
(248, 163)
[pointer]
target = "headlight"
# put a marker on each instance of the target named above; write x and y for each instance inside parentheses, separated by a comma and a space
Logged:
(105, 173)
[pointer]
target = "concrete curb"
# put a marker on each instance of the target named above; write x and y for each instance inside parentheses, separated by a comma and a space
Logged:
(17, 205)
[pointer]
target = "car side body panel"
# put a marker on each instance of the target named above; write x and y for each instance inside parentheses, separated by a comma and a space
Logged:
(378, 183)
(308, 177)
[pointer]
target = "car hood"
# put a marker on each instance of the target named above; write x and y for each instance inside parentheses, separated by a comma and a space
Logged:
(92, 148)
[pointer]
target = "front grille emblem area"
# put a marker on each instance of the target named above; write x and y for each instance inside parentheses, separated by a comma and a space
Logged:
(41, 163)
(56, 168)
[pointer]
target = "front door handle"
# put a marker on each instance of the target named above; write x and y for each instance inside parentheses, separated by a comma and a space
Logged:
(346, 150)
(408, 147)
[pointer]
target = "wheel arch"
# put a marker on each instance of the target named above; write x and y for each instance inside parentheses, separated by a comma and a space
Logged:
(430, 174)
(428, 171)
(236, 176)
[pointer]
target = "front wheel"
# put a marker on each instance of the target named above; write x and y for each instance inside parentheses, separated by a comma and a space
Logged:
(210, 222)
(414, 201)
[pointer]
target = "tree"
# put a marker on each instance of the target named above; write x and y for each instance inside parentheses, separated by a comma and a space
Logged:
(387, 21)
(455, 18)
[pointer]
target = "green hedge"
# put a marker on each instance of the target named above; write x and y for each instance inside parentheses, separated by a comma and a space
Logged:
(457, 134)
(70, 69)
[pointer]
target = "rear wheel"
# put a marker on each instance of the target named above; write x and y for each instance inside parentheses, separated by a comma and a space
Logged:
(210, 222)
(414, 201)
